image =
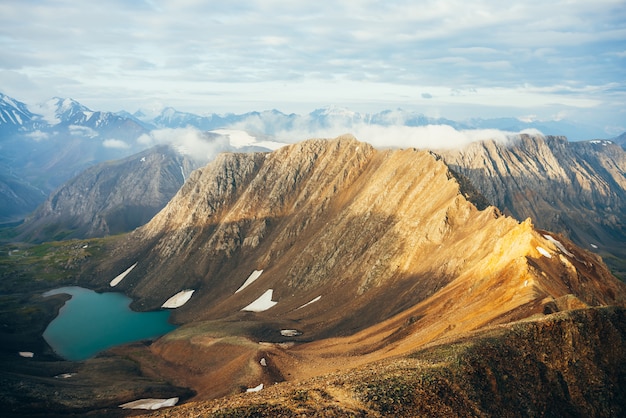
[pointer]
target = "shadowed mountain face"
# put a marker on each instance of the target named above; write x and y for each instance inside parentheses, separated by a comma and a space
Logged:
(575, 188)
(110, 197)
(364, 254)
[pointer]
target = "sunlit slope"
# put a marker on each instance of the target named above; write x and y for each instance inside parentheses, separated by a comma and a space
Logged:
(357, 254)
(574, 188)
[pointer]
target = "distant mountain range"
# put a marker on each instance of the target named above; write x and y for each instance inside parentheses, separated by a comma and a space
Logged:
(44, 145)
(58, 113)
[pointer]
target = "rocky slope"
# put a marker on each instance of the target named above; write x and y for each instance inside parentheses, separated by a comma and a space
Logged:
(569, 364)
(111, 197)
(574, 188)
(363, 254)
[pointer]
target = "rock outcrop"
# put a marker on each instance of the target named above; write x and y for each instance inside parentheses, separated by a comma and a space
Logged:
(577, 189)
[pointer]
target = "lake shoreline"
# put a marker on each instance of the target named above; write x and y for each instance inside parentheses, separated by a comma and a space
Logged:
(90, 322)
(36, 386)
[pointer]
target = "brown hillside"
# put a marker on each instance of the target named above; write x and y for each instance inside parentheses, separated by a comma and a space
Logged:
(369, 254)
(569, 364)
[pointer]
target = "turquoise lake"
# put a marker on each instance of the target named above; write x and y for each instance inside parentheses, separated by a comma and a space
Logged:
(91, 322)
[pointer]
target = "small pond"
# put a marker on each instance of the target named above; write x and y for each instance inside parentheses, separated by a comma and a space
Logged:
(91, 322)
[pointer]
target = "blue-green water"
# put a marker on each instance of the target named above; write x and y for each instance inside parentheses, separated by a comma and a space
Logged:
(91, 322)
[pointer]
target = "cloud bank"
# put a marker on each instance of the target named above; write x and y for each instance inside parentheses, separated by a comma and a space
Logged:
(201, 146)
(432, 137)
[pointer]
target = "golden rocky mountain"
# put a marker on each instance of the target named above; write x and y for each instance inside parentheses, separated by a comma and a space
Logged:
(574, 188)
(329, 255)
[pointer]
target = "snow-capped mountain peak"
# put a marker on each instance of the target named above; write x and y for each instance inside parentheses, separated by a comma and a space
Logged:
(13, 113)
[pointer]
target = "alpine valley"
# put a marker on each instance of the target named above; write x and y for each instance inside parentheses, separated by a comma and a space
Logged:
(323, 277)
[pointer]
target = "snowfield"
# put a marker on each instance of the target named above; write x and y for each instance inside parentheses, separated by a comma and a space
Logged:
(290, 332)
(308, 303)
(179, 299)
(263, 303)
(150, 403)
(255, 389)
(121, 276)
(559, 245)
(253, 276)
(544, 252)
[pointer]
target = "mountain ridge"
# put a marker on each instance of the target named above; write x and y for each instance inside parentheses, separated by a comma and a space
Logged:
(574, 188)
(269, 122)
(336, 226)
(109, 198)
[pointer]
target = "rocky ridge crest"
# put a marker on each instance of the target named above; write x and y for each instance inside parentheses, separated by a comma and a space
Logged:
(577, 189)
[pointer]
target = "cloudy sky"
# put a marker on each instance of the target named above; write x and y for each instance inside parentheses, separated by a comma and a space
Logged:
(530, 59)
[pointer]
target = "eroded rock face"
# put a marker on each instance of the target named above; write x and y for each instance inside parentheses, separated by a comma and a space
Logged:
(574, 188)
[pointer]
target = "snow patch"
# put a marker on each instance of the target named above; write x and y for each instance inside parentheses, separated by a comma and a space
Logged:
(149, 403)
(26, 354)
(179, 299)
(594, 246)
(255, 389)
(263, 362)
(64, 375)
(602, 142)
(121, 276)
(263, 303)
(290, 332)
(544, 252)
(559, 245)
(253, 276)
(308, 303)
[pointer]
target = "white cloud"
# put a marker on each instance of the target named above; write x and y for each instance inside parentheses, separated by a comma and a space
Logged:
(426, 137)
(187, 141)
(38, 135)
(285, 54)
(115, 143)
(82, 131)
(433, 137)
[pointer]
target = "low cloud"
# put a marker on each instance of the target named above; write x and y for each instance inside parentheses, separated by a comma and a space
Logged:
(38, 135)
(201, 146)
(115, 143)
(82, 131)
(434, 137)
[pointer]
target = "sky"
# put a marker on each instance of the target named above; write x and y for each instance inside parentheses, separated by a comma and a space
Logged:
(533, 60)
